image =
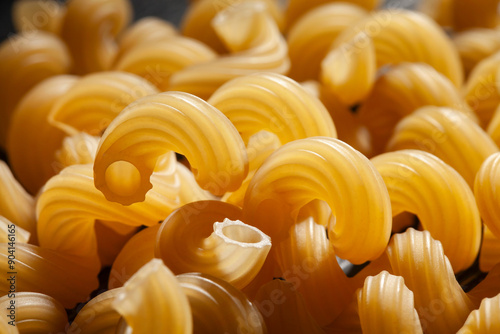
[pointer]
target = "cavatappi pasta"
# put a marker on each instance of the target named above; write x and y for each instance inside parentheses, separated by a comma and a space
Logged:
(267, 167)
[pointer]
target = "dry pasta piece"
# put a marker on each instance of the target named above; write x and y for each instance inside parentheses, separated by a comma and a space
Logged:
(349, 71)
(274, 103)
(490, 251)
(307, 260)
(78, 149)
(95, 100)
(486, 187)
(440, 301)
(197, 22)
(111, 237)
(222, 246)
(475, 45)
(386, 305)
(98, 315)
(152, 126)
(406, 36)
(420, 183)
(156, 61)
(138, 251)
(189, 190)
(64, 277)
(485, 320)
(7, 228)
(479, 13)
(26, 60)
(448, 134)
(34, 312)
(321, 168)
(348, 321)
(493, 128)
(258, 46)
(152, 301)
(218, 307)
(30, 15)
(89, 29)
(16, 204)
(69, 205)
(310, 38)
(31, 131)
(400, 91)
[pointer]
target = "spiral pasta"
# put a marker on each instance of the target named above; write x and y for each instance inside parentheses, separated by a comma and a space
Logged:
(475, 45)
(329, 170)
(310, 38)
(420, 183)
(449, 135)
(258, 48)
(30, 15)
(223, 246)
(77, 149)
(181, 122)
(483, 319)
(89, 30)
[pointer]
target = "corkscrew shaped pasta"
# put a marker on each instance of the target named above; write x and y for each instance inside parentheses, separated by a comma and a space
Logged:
(310, 38)
(325, 169)
(30, 15)
(484, 320)
(16, 204)
(475, 45)
(30, 130)
(274, 103)
(79, 149)
(69, 205)
(307, 260)
(89, 29)
(400, 91)
(34, 313)
(405, 36)
(420, 183)
(98, 315)
(96, 99)
(64, 277)
(257, 47)
(21, 235)
(177, 121)
(222, 246)
(197, 21)
(486, 187)
(218, 307)
(442, 304)
(152, 301)
(278, 300)
(481, 91)
(386, 305)
(26, 60)
(490, 251)
(449, 135)
(156, 61)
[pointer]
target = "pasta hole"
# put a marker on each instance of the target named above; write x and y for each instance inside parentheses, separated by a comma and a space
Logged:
(123, 178)
(241, 234)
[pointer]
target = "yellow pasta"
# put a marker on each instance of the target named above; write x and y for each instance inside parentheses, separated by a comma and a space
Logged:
(257, 47)
(31, 131)
(77, 149)
(274, 103)
(490, 251)
(89, 30)
(179, 122)
(7, 227)
(487, 288)
(307, 260)
(111, 237)
(325, 169)
(152, 301)
(404, 36)
(400, 91)
(95, 100)
(197, 22)
(386, 306)
(486, 187)
(442, 304)
(223, 246)
(438, 10)
(421, 183)
(493, 128)
(26, 60)
(208, 295)
(484, 320)
(34, 313)
(310, 38)
(475, 45)
(449, 135)
(30, 15)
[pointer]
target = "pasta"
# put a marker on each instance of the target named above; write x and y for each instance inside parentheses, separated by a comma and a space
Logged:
(481, 320)
(77, 149)
(475, 45)
(485, 190)
(30, 15)
(329, 170)
(111, 237)
(21, 235)
(490, 251)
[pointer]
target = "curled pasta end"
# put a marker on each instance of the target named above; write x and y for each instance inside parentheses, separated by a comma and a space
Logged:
(240, 234)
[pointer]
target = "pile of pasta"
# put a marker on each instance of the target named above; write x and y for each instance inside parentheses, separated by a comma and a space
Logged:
(319, 167)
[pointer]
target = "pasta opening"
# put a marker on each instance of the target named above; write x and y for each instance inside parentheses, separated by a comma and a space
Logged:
(123, 178)
(235, 231)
